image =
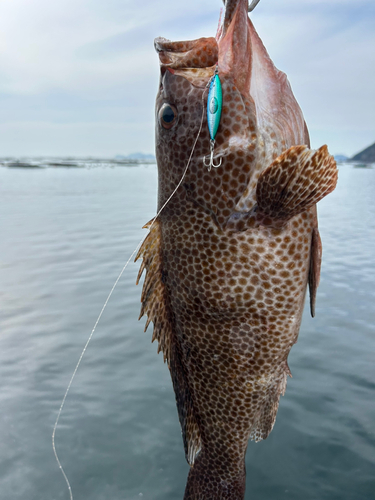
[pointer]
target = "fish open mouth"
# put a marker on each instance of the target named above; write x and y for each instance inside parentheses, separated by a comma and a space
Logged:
(234, 42)
(201, 53)
(230, 50)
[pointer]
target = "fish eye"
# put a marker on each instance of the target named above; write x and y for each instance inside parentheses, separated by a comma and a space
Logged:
(167, 115)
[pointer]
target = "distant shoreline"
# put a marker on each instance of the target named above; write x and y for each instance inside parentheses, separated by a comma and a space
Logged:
(70, 162)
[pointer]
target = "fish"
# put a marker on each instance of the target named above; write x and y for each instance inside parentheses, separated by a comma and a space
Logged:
(231, 253)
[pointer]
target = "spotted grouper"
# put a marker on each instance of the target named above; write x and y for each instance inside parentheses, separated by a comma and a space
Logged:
(230, 254)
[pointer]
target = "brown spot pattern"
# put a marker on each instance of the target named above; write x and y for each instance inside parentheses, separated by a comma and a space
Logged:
(200, 53)
(227, 261)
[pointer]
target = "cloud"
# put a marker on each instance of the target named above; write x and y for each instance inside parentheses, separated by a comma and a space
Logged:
(77, 62)
(72, 44)
(327, 51)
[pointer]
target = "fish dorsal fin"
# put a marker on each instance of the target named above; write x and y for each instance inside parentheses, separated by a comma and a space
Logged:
(153, 297)
(155, 305)
(295, 181)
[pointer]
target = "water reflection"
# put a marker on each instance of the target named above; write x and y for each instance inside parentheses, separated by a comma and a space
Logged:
(66, 234)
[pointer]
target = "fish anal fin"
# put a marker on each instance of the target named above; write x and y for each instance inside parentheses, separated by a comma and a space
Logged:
(154, 303)
(189, 426)
(295, 182)
(314, 271)
(265, 420)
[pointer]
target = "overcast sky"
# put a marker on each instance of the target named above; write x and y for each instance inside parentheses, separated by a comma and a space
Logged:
(79, 77)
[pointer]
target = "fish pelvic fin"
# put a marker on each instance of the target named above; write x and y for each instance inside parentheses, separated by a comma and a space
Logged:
(155, 305)
(295, 182)
(314, 271)
(266, 418)
(153, 298)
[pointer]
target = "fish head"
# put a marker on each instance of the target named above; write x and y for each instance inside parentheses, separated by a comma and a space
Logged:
(260, 116)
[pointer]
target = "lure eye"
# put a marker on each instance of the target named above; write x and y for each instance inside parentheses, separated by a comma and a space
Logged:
(214, 105)
(167, 115)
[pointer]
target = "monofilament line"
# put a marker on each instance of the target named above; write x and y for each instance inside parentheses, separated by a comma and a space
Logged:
(106, 302)
(77, 366)
(188, 162)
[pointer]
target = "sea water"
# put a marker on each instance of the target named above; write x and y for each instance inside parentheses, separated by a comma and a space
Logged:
(65, 234)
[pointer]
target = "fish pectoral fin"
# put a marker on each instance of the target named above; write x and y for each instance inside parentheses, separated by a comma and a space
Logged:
(263, 425)
(295, 181)
(314, 271)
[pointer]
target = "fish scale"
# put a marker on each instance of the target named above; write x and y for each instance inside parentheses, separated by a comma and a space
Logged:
(229, 257)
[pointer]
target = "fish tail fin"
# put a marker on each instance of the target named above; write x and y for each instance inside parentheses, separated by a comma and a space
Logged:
(296, 181)
(208, 480)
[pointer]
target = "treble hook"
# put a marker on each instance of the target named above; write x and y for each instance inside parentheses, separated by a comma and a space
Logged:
(210, 162)
(253, 4)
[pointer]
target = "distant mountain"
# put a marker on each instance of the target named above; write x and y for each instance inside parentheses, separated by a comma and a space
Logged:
(136, 156)
(341, 158)
(365, 156)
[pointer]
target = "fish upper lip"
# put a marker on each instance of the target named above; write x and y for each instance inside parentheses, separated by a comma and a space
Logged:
(230, 10)
(230, 49)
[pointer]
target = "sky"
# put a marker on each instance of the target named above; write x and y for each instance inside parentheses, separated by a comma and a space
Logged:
(79, 77)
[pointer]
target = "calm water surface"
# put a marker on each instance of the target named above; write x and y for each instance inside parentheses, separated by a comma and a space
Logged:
(65, 235)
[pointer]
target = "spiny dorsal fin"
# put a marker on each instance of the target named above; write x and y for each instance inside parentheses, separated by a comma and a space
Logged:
(296, 181)
(155, 305)
(153, 292)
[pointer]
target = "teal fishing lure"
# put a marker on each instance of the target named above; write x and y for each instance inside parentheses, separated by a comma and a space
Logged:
(214, 107)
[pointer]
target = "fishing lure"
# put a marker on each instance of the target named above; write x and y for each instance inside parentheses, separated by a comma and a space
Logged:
(214, 106)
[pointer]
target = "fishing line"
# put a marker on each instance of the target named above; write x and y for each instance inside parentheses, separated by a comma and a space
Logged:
(252, 6)
(109, 296)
